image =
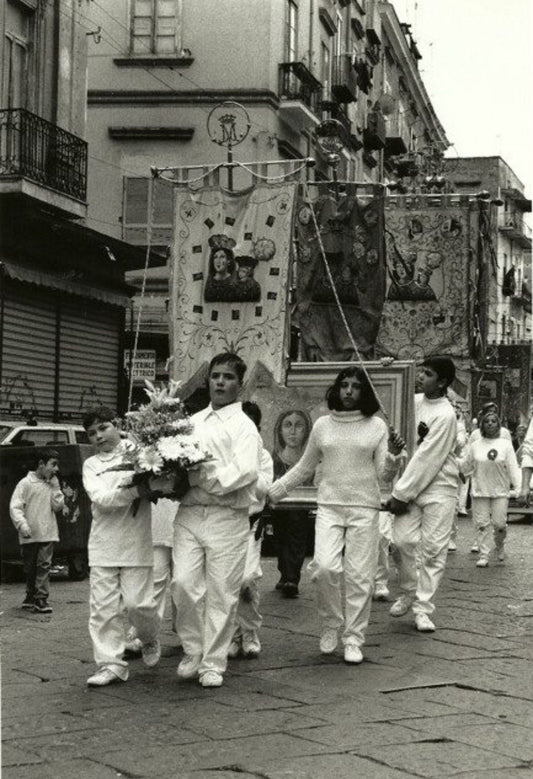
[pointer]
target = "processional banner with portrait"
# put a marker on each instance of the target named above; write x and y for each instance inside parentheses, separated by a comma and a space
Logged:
(229, 280)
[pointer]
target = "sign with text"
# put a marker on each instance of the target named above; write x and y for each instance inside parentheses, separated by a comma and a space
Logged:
(143, 366)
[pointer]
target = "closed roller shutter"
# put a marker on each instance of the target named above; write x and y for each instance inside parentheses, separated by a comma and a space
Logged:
(29, 348)
(89, 356)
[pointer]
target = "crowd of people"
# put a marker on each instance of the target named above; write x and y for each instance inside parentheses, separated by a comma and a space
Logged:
(208, 546)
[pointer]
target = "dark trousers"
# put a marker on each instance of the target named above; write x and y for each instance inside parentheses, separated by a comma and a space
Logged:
(291, 532)
(37, 559)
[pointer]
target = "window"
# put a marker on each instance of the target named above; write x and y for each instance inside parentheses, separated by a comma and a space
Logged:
(81, 437)
(135, 211)
(155, 27)
(40, 437)
(339, 35)
(15, 65)
(325, 67)
(291, 31)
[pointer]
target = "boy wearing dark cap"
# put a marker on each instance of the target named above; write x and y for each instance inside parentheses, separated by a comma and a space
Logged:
(425, 495)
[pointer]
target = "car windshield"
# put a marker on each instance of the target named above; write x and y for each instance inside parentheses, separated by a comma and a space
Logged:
(4, 430)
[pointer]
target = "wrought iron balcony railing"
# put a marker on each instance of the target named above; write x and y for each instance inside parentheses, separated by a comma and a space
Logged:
(41, 151)
(296, 82)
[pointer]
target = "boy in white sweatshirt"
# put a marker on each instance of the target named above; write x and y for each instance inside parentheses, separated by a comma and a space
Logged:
(33, 504)
(424, 497)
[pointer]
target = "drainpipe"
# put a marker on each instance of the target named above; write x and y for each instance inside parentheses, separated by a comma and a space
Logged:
(55, 60)
(311, 32)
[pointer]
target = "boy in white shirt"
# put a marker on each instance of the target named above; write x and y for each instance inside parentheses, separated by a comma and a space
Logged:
(425, 496)
(120, 554)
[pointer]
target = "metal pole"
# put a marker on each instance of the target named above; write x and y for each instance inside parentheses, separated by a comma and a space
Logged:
(230, 168)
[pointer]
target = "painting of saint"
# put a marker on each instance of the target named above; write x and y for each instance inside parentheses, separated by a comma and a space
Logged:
(246, 287)
(230, 279)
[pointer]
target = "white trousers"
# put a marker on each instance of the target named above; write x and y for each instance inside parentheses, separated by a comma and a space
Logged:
(423, 534)
(490, 518)
(114, 591)
(356, 530)
(248, 618)
(385, 539)
(208, 559)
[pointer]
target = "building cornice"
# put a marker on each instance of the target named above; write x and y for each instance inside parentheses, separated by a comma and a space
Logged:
(191, 97)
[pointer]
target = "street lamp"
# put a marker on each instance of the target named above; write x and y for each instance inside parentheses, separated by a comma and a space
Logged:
(331, 139)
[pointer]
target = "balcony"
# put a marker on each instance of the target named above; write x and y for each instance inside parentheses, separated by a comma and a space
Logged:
(513, 226)
(300, 94)
(343, 79)
(335, 111)
(374, 134)
(40, 160)
(397, 135)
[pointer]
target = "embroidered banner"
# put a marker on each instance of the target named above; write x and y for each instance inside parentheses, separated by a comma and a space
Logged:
(429, 246)
(351, 230)
(229, 276)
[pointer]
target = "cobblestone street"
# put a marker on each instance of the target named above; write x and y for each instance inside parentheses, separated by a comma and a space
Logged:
(458, 702)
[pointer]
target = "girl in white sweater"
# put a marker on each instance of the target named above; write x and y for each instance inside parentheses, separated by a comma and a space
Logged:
(492, 462)
(354, 450)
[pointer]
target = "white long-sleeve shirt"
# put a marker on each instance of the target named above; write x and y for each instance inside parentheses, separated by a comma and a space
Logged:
(265, 478)
(493, 465)
(229, 479)
(527, 447)
(117, 538)
(353, 454)
(32, 508)
(432, 470)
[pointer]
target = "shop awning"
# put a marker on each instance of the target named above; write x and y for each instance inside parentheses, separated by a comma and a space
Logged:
(63, 283)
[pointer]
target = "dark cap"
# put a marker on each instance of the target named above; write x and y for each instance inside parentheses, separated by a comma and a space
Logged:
(246, 261)
(443, 367)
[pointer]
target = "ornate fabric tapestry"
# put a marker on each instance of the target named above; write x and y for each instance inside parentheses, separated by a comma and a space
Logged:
(429, 243)
(229, 276)
(351, 230)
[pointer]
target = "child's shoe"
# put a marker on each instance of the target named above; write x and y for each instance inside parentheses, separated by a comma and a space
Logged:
(151, 652)
(452, 546)
(105, 676)
(42, 607)
(251, 645)
(211, 679)
(234, 649)
(328, 641)
(134, 646)
(188, 668)
(474, 548)
(353, 654)
(482, 562)
(424, 624)
(500, 553)
(381, 592)
(401, 606)
(28, 603)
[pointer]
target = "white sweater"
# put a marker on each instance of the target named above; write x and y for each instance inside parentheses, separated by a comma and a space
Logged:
(494, 467)
(32, 507)
(432, 470)
(353, 456)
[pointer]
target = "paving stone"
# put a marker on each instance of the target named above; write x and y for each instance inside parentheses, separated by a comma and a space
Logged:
(84, 769)
(211, 754)
(16, 728)
(350, 733)
(340, 766)
(13, 754)
(436, 759)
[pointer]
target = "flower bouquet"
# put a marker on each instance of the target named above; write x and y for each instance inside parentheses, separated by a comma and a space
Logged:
(162, 441)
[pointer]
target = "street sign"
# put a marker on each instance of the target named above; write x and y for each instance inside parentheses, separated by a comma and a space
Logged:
(143, 366)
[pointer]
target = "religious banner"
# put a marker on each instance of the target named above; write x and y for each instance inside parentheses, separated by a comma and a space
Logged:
(350, 224)
(229, 276)
(429, 303)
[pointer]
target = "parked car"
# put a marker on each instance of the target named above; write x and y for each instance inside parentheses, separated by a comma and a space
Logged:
(17, 433)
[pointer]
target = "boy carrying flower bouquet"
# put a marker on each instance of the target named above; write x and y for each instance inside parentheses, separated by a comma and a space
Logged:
(120, 552)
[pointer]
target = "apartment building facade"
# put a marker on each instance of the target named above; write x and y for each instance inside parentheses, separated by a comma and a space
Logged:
(161, 66)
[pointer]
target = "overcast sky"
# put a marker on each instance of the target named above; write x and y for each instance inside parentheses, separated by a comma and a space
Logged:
(477, 67)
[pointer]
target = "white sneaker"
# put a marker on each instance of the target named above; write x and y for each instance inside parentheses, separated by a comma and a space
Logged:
(352, 654)
(251, 646)
(400, 606)
(482, 562)
(151, 653)
(452, 546)
(381, 592)
(234, 649)
(105, 676)
(424, 624)
(211, 679)
(134, 647)
(328, 641)
(474, 548)
(188, 668)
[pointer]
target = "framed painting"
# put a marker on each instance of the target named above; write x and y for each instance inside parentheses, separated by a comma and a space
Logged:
(305, 395)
